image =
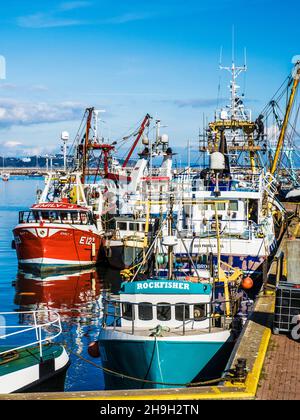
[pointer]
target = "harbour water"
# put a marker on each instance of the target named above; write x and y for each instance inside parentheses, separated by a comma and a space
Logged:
(74, 295)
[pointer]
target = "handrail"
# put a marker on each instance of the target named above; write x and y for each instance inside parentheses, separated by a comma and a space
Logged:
(36, 326)
(208, 315)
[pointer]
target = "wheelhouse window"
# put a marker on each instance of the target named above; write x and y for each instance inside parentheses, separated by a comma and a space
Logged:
(134, 227)
(122, 225)
(127, 311)
(64, 216)
(200, 312)
(163, 311)
(182, 311)
(145, 311)
(84, 219)
(233, 206)
(74, 217)
(204, 207)
(221, 206)
(52, 216)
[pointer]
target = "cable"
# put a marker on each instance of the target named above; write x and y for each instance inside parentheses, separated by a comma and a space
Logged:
(147, 381)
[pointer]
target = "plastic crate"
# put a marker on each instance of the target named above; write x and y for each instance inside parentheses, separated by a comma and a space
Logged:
(286, 307)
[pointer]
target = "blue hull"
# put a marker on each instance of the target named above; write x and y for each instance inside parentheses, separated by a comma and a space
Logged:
(170, 363)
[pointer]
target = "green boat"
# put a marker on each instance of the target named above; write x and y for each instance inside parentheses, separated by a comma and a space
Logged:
(30, 360)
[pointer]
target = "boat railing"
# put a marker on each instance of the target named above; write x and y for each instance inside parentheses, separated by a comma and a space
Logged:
(43, 327)
(238, 181)
(239, 228)
(270, 184)
(214, 312)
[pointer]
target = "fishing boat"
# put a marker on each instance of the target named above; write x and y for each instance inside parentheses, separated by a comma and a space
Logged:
(128, 228)
(52, 235)
(63, 228)
(163, 332)
(30, 361)
(250, 216)
(249, 213)
(5, 176)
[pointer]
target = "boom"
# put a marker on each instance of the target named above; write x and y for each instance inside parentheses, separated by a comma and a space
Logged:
(286, 118)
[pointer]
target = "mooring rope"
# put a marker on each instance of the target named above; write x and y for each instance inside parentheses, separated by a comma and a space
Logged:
(147, 381)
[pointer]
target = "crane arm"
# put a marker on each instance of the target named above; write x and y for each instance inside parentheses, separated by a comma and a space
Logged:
(286, 118)
(144, 124)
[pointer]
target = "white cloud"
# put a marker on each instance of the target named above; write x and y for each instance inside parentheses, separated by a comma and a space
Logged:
(39, 88)
(8, 86)
(12, 143)
(72, 5)
(126, 18)
(57, 18)
(44, 20)
(14, 148)
(13, 112)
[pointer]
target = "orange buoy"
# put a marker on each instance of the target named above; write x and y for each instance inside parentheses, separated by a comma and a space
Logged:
(93, 349)
(247, 283)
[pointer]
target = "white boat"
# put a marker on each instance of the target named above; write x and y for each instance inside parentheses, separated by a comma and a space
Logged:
(5, 176)
(244, 198)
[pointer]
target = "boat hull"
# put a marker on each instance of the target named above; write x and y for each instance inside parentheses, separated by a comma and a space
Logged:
(28, 374)
(165, 363)
(245, 255)
(48, 247)
(120, 256)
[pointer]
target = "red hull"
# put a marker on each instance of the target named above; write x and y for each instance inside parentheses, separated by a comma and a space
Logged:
(56, 245)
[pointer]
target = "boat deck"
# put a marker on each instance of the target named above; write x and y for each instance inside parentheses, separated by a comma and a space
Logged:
(141, 332)
(25, 358)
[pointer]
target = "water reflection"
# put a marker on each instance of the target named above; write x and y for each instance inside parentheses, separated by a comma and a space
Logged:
(77, 298)
(72, 294)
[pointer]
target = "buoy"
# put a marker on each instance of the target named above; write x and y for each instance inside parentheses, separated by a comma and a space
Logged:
(247, 283)
(93, 349)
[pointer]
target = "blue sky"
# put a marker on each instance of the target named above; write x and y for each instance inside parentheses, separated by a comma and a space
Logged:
(133, 57)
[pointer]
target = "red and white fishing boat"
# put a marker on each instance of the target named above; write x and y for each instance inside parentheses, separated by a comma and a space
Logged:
(64, 228)
(57, 234)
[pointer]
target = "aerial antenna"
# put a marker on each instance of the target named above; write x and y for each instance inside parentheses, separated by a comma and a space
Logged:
(232, 43)
(235, 71)
(245, 68)
(221, 56)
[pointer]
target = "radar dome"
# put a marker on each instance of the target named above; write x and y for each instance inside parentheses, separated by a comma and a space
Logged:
(65, 136)
(217, 161)
(165, 139)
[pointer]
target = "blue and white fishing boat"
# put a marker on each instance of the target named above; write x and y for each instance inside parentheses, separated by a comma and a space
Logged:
(162, 333)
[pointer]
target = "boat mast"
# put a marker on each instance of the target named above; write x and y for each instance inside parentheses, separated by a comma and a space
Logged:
(86, 143)
(235, 71)
(234, 119)
(170, 248)
(296, 75)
